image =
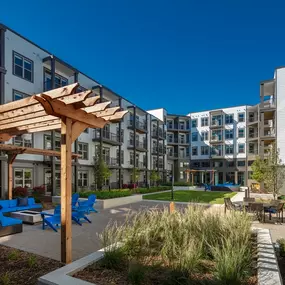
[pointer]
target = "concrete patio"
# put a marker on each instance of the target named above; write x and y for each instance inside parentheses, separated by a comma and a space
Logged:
(84, 238)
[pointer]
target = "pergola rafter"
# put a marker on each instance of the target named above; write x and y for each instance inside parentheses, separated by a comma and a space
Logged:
(63, 109)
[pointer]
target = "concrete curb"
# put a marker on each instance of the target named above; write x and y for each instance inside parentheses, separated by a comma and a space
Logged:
(268, 272)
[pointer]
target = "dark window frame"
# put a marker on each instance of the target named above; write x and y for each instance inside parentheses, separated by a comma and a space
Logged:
(25, 95)
(14, 53)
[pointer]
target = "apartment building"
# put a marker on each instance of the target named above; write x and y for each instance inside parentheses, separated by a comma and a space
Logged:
(136, 142)
(218, 145)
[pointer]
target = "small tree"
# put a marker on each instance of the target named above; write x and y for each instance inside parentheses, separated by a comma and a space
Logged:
(154, 177)
(135, 175)
(270, 171)
(101, 170)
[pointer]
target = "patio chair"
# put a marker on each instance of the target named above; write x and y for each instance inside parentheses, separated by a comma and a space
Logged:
(74, 200)
(89, 204)
(257, 209)
(79, 214)
(52, 220)
(278, 210)
(229, 205)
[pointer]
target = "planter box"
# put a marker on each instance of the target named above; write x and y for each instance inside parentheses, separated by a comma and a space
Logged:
(108, 203)
(267, 266)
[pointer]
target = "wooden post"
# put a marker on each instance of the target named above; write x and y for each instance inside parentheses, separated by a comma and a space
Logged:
(66, 189)
(11, 158)
(192, 173)
(171, 207)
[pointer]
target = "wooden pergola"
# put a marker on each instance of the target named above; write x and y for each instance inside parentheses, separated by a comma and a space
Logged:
(192, 171)
(63, 109)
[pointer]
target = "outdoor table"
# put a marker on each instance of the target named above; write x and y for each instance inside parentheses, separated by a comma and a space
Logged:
(265, 205)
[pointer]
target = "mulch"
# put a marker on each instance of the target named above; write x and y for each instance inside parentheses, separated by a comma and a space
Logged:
(21, 267)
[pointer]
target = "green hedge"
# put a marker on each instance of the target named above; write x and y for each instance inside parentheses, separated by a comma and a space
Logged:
(151, 189)
(107, 194)
(178, 184)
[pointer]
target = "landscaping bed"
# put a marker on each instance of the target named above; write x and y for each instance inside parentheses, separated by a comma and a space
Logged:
(20, 267)
(192, 196)
(183, 247)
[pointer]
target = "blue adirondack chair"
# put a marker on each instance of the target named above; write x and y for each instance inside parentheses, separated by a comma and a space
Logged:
(79, 214)
(89, 204)
(52, 220)
(74, 200)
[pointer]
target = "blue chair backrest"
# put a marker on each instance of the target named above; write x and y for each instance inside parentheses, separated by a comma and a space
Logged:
(1, 217)
(75, 198)
(91, 199)
(57, 210)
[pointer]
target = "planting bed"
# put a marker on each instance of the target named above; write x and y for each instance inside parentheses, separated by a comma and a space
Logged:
(187, 247)
(20, 267)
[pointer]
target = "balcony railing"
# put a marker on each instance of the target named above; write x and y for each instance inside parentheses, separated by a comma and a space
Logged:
(139, 164)
(216, 124)
(158, 150)
(270, 133)
(267, 105)
(47, 85)
(216, 139)
(106, 135)
(160, 133)
(139, 125)
(111, 161)
(176, 127)
(154, 165)
(268, 123)
(253, 119)
(253, 135)
(253, 152)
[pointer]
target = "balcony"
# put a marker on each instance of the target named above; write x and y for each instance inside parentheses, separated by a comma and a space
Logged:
(140, 146)
(141, 127)
(172, 155)
(158, 150)
(160, 134)
(139, 164)
(160, 165)
(112, 162)
(252, 153)
(253, 135)
(267, 105)
(268, 123)
(216, 139)
(177, 128)
(253, 120)
(175, 141)
(107, 137)
(216, 155)
(268, 134)
(216, 124)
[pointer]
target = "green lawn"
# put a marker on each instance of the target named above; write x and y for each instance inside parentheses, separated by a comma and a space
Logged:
(192, 196)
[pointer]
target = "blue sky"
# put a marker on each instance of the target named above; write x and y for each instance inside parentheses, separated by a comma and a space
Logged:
(182, 55)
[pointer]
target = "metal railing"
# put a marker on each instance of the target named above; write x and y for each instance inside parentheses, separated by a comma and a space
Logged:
(253, 135)
(139, 125)
(111, 161)
(106, 135)
(139, 164)
(138, 144)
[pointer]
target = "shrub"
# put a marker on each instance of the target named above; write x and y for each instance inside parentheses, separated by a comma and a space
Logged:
(14, 255)
(39, 190)
(5, 278)
(20, 192)
(181, 183)
(151, 190)
(32, 261)
(281, 246)
(106, 194)
(136, 274)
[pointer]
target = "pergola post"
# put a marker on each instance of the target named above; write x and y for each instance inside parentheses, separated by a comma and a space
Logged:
(11, 158)
(66, 176)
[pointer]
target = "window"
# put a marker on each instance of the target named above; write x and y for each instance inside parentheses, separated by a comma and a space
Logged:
(23, 67)
(204, 136)
(241, 147)
(169, 138)
(24, 140)
(86, 131)
(194, 137)
(205, 164)
(59, 80)
(231, 163)
(194, 150)
(241, 133)
(217, 150)
(187, 125)
(229, 119)
(82, 178)
(217, 120)
(17, 95)
(241, 178)
(170, 124)
(23, 177)
(229, 149)
(230, 177)
(241, 163)
(240, 117)
(204, 122)
(47, 142)
(122, 156)
(218, 164)
(83, 150)
(250, 162)
(229, 134)
(204, 150)
(181, 175)
(182, 125)
(194, 123)
(196, 164)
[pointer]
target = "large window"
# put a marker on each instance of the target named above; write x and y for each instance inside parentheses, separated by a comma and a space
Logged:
(204, 150)
(241, 148)
(241, 117)
(204, 136)
(23, 67)
(59, 81)
(204, 122)
(194, 150)
(48, 143)
(23, 177)
(194, 136)
(194, 123)
(17, 95)
(229, 134)
(241, 163)
(229, 149)
(241, 133)
(83, 150)
(82, 178)
(24, 140)
(229, 119)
